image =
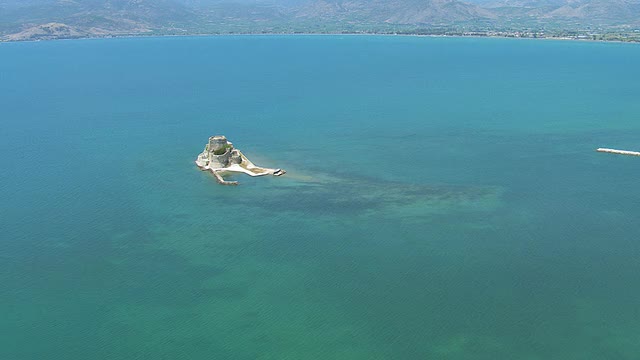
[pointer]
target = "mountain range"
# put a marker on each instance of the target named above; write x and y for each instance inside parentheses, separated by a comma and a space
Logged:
(45, 19)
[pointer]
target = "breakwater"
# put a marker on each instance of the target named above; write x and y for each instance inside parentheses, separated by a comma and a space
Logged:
(221, 180)
(618, 152)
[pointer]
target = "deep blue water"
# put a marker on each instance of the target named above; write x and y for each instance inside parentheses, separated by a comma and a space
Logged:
(443, 199)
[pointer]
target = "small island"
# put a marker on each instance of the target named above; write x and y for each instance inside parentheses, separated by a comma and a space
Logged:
(219, 157)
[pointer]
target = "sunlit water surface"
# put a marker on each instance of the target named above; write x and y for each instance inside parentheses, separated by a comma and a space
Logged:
(443, 199)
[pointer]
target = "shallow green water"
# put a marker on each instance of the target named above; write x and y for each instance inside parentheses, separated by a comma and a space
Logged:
(443, 199)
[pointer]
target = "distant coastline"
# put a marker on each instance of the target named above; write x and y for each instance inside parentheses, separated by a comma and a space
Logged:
(559, 19)
(605, 38)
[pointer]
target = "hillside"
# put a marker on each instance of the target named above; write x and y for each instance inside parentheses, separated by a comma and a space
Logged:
(48, 19)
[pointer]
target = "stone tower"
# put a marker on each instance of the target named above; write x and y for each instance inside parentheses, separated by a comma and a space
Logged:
(218, 142)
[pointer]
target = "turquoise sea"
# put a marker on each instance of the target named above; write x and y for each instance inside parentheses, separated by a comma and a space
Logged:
(443, 199)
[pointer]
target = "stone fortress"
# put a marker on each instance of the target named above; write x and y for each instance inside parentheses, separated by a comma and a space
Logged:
(219, 156)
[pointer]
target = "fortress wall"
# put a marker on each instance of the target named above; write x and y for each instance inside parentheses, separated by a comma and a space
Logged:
(218, 161)
(236, 158)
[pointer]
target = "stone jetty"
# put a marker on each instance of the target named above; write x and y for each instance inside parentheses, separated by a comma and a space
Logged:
(618, 152)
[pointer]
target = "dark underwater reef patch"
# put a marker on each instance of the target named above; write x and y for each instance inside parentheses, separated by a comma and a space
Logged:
(358, 196)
